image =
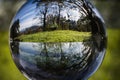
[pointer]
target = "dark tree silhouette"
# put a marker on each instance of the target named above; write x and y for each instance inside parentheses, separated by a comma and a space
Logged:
(97, 25)
(14, 32)
(43, 12)
(15, 50)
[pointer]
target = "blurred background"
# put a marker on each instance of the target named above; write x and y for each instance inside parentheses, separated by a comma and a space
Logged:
(109, 70)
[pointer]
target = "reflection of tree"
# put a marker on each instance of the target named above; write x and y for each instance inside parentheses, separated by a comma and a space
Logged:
(54, 54)
(65, 56)
(92, 50)
(96, 23)
(15, 47)
(89, 49)
(44, 13)
(49, 21)
(82, 62)
(15, 52)
(58, 19)
(42, 10)
(45, 51)
(14, 32)
(99, 41)
(53, 19)
(83, 25)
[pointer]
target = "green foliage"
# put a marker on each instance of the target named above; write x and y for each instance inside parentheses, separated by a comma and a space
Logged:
(56, 36)
(108, 71)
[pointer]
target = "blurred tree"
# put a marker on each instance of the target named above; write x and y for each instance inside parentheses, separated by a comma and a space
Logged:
(110, 10)
(8, 9)
(114, 16)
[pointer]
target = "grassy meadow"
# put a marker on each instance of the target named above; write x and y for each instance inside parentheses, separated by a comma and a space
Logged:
(109, 70)
(55, 36)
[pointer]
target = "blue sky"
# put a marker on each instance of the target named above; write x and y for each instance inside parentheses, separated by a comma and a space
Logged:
(26, 15)
(28, 12)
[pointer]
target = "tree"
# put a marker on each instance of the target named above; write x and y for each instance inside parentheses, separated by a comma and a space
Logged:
(14, 31)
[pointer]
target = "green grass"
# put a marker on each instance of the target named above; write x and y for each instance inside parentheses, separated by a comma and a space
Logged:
(56, 36)
(109, 70)
(8, 70)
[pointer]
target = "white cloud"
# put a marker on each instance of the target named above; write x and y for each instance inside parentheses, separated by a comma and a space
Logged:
(26, 23)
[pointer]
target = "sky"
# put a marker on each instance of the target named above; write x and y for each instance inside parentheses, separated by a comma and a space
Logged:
(27, 14)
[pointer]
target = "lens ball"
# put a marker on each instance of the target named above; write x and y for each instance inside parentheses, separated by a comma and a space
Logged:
(58, 39)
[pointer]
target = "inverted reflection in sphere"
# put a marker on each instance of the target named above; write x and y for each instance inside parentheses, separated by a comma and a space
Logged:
(58, 40)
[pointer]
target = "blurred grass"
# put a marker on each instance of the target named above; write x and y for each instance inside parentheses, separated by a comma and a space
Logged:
(109, 70)
(8, 70)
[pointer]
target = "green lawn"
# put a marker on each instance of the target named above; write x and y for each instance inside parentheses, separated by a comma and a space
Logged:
(108, 71)
(56, 36)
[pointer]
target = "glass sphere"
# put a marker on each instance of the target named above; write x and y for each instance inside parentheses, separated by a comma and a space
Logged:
(58, 39)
